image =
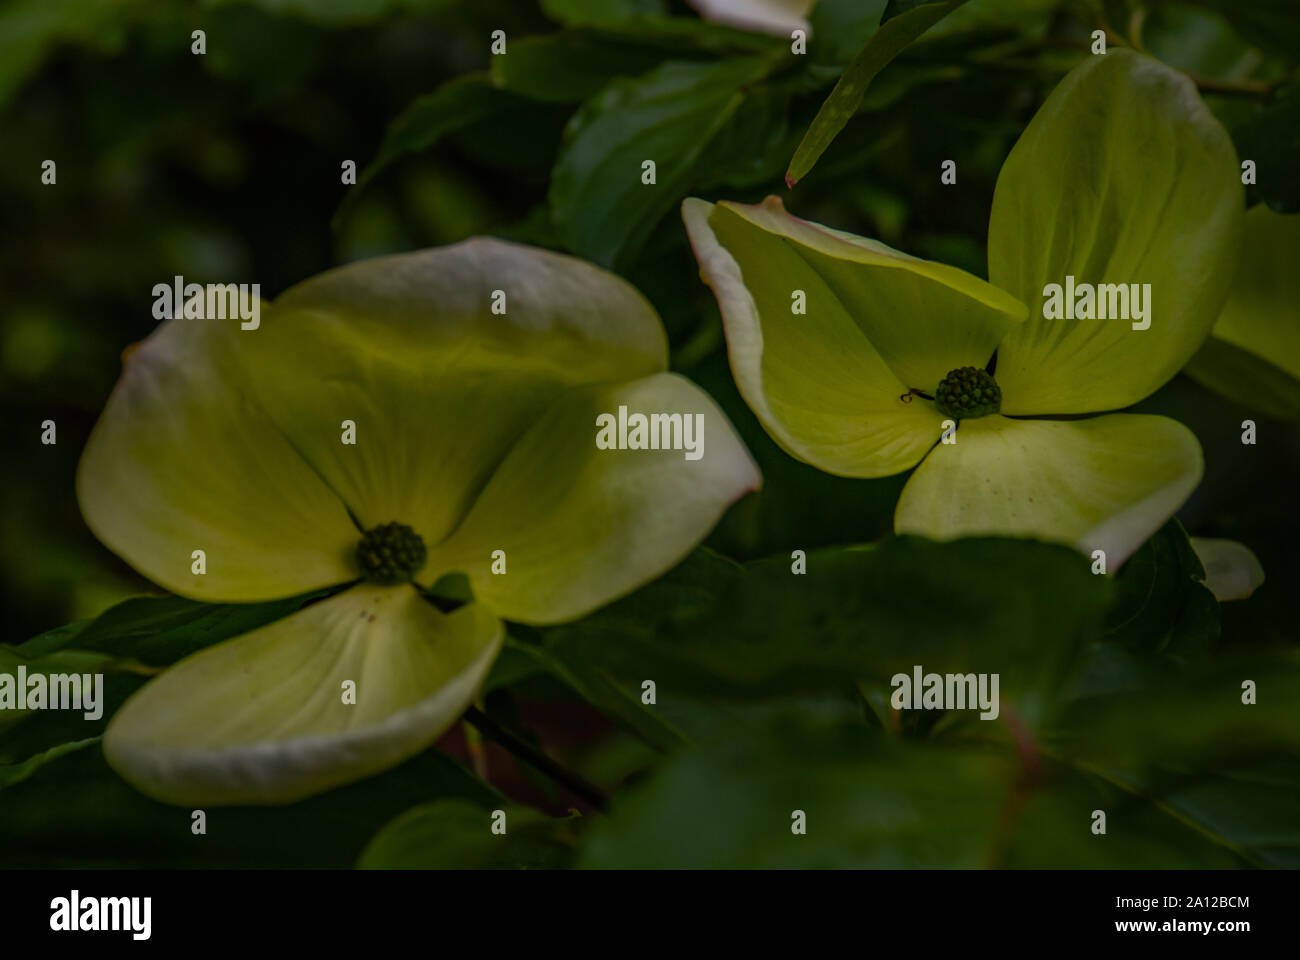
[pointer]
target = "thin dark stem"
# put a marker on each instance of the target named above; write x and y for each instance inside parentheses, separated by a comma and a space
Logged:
(1031, 767)
(1233, 88)
(539, 761)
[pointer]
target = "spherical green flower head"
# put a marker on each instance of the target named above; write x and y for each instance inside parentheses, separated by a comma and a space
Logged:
(382, 428)
(391, 553)
(1122, 178)
(967, 393)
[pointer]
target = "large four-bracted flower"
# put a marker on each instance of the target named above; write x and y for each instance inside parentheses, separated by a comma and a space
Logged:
(475, 432)
(1123, 177)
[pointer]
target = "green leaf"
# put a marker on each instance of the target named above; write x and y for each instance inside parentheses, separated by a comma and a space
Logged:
(591, 680)
(12, 773)
(1271, 137)
(1186, 774)
(341, 13)
(570, 66)
(600, 11)
(1162, 606)
(455, 834)
(31, 29)
(1200, 42)
(602, 209)
(158, 631)
(840, 28)
(895, 8)
(868, 802)
(26, 736)
(1054, 828)
(1271, 24)
(25, 733)
(753, 145)
(458, 104)
(711, 629)
(1187, 743)
(75, 812)
(896, 32)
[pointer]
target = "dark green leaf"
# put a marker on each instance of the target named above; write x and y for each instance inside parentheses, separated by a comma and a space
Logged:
(31, 29)
(1162, 605)
(1271, 137)
(74, 811)
(12, 773)
(457, 104)
(343, 13)
(25, 734)
(896, 7)
(1270, 24)
(602, 209)
(158, 631)
(454, 834)
(708, 628)
(617, 699)
(601, 11)
(886, 43)
(1054, 829)
(840, 28)
(868, 801)
(753, 145)
(1189, 745)
(570, 66)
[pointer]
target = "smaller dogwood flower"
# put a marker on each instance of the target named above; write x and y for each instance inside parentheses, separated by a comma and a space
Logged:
(866, 362)
(390, 423)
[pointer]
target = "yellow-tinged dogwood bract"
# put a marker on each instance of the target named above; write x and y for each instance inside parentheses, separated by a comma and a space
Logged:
(474, 431)
(1122, 177)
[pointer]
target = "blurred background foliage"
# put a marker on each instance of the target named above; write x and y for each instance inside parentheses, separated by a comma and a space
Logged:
(226, 167)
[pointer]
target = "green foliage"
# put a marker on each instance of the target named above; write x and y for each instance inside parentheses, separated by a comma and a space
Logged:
(869, 802)
(666, 117)
(1271, 24)
(161, 630)
(601, 11)
(1271, 137)
(453, 834)
(1162, 607)
(1120, 693)
(464, 101)
(79, 813)
(863, 614)
(902, 23)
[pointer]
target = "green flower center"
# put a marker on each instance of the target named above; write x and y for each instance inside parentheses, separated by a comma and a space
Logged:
(967, 392)
(391, 553)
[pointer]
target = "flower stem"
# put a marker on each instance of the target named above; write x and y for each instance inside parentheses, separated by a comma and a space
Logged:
(539, 761)
(1233, 88)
